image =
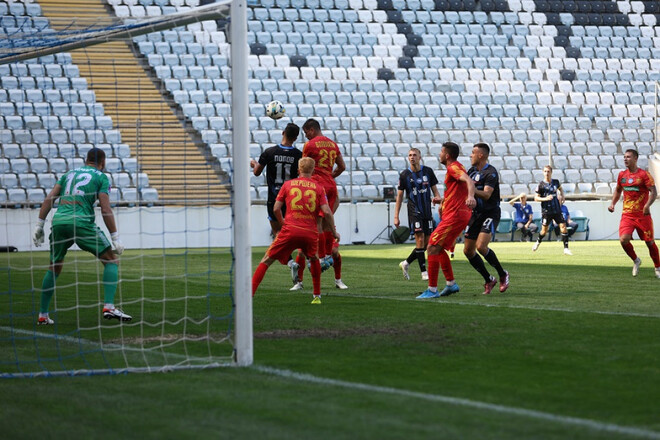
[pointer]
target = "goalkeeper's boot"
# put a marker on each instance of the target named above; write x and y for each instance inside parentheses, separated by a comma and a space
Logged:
(404, 268)
(294, 272)
(428, 293)
(317, 299)
(636, 265)
(45, 320)
(115, 313)
(297, 286)
(339, 284)
(425, 276)
(488, 287)
(567, 251)
(450, 290)
(536, 246)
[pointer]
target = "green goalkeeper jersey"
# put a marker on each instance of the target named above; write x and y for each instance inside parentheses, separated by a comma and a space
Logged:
(80, 189)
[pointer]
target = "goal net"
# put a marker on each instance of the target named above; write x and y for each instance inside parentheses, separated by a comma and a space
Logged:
(113, 82)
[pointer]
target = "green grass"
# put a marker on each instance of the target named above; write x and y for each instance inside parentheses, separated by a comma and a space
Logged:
(575, 337)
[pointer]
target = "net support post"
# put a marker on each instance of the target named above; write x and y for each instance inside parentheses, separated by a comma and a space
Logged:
(241, 186)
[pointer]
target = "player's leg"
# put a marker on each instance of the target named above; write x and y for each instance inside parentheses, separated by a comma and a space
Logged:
(279, 250)
(297, 277)
(489, 255)
(544, 230)
(60, 239)
(336, 256)
(260, 271)
(564, 238)
(472, 234)
(309, 247)
(645, 231)
(520, 226)
(626, 228)
(441, 240)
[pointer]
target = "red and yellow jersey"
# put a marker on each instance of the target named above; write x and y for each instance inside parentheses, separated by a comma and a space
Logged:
(324, 151)
(455, 191)
(635, 188)
(303, 198)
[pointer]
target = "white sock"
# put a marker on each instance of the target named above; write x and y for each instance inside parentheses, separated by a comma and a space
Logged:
(109, 306)
(433, 289)
(451, 283)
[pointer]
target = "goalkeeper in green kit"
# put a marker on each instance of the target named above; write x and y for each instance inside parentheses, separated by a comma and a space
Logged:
(73, 222)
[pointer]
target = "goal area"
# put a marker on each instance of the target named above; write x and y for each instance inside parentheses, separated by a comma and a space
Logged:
(80, 83)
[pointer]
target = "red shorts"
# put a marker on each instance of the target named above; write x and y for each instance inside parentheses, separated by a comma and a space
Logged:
(643, 225)
(290, 239)
(449, 229)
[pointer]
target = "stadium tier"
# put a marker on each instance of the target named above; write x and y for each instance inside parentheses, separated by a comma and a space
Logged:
(574, 80)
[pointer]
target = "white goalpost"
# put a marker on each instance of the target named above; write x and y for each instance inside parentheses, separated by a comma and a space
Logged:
(186, 275)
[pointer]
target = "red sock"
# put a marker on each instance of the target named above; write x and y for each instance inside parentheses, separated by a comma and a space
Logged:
(315, 269)
(258, 276)
(653, 252)
(337, 266)
(433, 269)
(630, 250)
(321, 245)
(300, 259)
(329, 241)
(445, 264)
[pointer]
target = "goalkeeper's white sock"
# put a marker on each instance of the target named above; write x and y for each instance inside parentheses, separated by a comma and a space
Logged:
(108, 306)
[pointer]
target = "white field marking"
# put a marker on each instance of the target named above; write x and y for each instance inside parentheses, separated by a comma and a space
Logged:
(510, 410)
(505, 306)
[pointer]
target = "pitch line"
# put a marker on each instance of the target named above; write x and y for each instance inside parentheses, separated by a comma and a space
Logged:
(456, 401)
(505, 306)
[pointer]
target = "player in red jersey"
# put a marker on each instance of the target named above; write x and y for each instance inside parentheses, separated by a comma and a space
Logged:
(639, 193)
(329, 165)
(305, 200)
(456, 212)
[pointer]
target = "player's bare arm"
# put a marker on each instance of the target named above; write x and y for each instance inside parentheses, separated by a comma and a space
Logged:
(106, 213)
(48, 202)
(470, 201)
(397, 208)
(277, 210)
(615, 198)
(653, 193)
(257, 168)
(485, 193)
(340, 167)
(330, 220)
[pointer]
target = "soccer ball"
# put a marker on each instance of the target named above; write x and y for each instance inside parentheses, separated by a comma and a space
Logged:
(275, 110)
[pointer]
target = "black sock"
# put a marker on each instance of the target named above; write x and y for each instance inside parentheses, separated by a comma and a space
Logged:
(493, 261)
(479, 265)
(412, 257)
(540, 239)
(421, 259)
(564, 238)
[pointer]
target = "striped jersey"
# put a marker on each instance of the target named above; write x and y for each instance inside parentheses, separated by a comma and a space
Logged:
(417, 186)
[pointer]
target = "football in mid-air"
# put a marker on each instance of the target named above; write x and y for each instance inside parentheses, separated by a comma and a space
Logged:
(275, 110)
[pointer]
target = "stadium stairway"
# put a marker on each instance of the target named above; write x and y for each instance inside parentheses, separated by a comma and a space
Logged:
(170, 157)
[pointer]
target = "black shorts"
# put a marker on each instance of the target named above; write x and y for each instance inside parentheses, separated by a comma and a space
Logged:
(419, 224)
(482, 222)
(549, 218)
(271, 214)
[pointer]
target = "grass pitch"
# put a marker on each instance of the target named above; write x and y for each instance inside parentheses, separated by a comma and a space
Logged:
(571, 350)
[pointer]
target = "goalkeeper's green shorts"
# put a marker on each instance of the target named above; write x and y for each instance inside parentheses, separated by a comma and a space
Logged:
(87, 236)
